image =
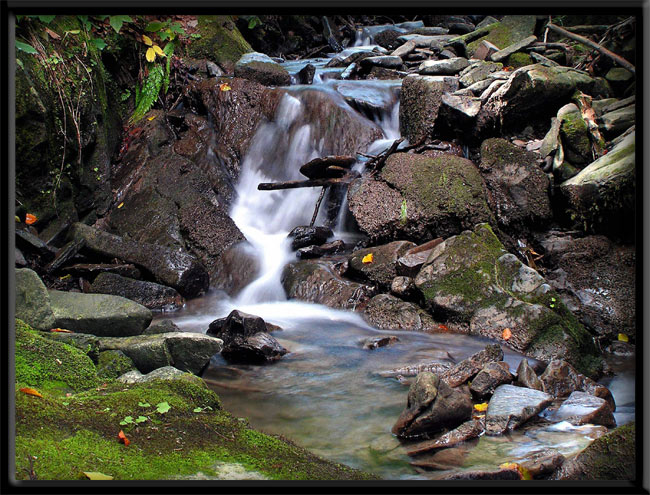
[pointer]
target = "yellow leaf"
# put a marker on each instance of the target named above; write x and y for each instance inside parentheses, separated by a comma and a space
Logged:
(149, 118)
(224, 87)
(481, 407)
(95, 475)
(150, 55)
(159, 51)
(65, 277)
(623, 338)
(147, 41)
(368, 258)
(120, 205)
(17, 219)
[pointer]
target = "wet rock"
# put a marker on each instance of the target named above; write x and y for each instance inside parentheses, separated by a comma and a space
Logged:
(306, 236)
(348, 57)
(581, 408)
(489, 378)
(381, 268)
(318, 167)
(113, 364)
(560, 379)
(617, 121)
(33, 300)
(246, 340)
(404, 49)
(501, 474)
(404, 287)
(163, 326)
(441, 460)
(29, 242)
(470, 367)
(98, 314)
(387, 61)
(478, 72)
(511, 29)
(163, 373)
(187, 351)
(19, 258)
(427, 198)
(390, 313)
(377, 342)
(526, 376)
(470, 278)
(420, 99)
(432, 406)
(220, 41)
(149, 294)
(623, 349)
(518, 190)
(315, 281)
(239, 266)
(610, 457)
(443, 67)
(306, 74)
(503, 54)
(467, 431)
(512, 406)
(409, 265)
(543, 463)
(173, 268)
(595, 278)
(262, 69)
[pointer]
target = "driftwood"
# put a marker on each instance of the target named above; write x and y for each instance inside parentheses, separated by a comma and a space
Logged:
(65, 254)
(591, 44)
(295, 184)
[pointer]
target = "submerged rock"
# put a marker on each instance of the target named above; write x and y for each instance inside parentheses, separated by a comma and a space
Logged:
(377, 342)
(512, 406)
(467, 431)
(432, 405)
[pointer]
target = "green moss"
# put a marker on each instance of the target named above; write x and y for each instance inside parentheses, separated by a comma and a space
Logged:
(576, 133)
(519, 59)
(220, 41)
(51, 365)
(509, 30)
(113, 363)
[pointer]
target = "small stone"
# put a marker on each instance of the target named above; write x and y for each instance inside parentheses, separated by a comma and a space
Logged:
(489, 378)
(376, 342)
(582, 408)
(526, 376)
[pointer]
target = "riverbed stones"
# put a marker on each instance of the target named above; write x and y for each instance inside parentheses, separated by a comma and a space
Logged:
(542, 463)
(432, 405)
(470, 367)
(387, 61)
(262, 69)
(176, 269)
(526, 376)
(149, 294)
(371, 343)
(561, 379)
(388, 312)
(582, 408)
(511, 29)
(304, 236)
(518, 189)
(466, 431)
(512, 406)
(32, 300)
(489, 378)
(377, 264)
(443, 67)
(246, 339)
(478, 71)
(98, 314)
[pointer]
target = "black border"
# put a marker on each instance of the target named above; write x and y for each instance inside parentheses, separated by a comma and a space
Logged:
(322, 7)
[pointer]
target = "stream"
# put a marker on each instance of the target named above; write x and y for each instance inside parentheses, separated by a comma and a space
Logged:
(327, 394)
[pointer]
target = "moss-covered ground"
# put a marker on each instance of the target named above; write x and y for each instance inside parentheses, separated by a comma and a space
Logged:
(67, 433)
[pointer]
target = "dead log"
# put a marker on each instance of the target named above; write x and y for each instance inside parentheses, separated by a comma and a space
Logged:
(591, 44)
(65, 254)
(295, 184)
(320, 200)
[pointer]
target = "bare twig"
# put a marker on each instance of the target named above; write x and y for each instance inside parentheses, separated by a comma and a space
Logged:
(320, 199)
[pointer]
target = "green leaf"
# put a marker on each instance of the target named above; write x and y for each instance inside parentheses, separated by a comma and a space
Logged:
(25, 47)
(20, 63)
(140, 419)
(154, 27)
(127, 421)
(197, 409)
(95, 475)
(254, 21)
(116, 21)
(163, 407)
(46, 18)
(99, 43)
(165, 35)
(176, 27)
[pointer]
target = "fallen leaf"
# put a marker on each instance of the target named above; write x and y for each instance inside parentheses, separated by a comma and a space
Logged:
(60, 330)
(224, 87)
(52, 34)
(443, 328)
(623, 338)
(368, 258)
(151, 118)
(31, 391)
(506, 334)
(17, 218)
(65, 277)
(30, 219)
(159, 51)
(481, 407)
(122, 437)
(95, 475)
(150, 55)
(146, 40)
(120, 205)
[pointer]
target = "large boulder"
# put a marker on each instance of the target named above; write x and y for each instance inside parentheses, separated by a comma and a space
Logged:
(262, 69)
(390, 313)
(432, 406)
(511, 406)
(170, 267)
(238, 267)
(98, 314)
(317, 281)
(187, 351)
(220, 41)
(610, 457)
(601, 197)
(511, 29)
(470, 278)
(582, 408)
(149, 294)
(32, 300)
(518, 190)
(424, 198)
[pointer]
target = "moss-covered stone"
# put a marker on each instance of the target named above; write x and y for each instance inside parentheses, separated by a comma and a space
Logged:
(220, 41)
(575, 136)
(509, 30)
(113, 363)
(49, 365)
(519, 59)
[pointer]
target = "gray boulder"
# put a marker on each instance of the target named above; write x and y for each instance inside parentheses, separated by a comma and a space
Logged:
(149, 294)
(387, 312)
(99, 314)
(164, 373)
(443, 67)
(582, 408)
(511, 406)
(262, 69)
(489, 378)
(32, 300)
(383, 267)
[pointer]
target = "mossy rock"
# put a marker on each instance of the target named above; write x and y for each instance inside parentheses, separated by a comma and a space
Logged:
(67, 436)
(220, 42)
(519, 59)
(48, 365)
(113, 363)
(575, 136)
(509, 30)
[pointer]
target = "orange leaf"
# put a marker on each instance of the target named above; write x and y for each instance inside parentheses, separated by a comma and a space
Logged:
(60, 330)
(443, 328)
(31, 391)
(506, 334)
(122, 437)
(224, 87)
(481, 407)
(30, 219)
(368, 258)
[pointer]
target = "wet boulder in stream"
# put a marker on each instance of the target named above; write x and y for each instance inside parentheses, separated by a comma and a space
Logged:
(390, 313)
(377, 264)
(149, 294)
(304, 236)
(262, 69)
(512, 406)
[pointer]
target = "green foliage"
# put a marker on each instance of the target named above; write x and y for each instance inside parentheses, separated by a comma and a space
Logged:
(25, 47)
(402, 213)
(116, 21)
(147, 95)
(253, 22)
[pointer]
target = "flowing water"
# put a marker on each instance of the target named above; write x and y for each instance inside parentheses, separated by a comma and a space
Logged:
(327, 394)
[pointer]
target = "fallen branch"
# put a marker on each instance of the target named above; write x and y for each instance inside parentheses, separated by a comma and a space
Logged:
(580, 39)
(294, 184)
(320, 200)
